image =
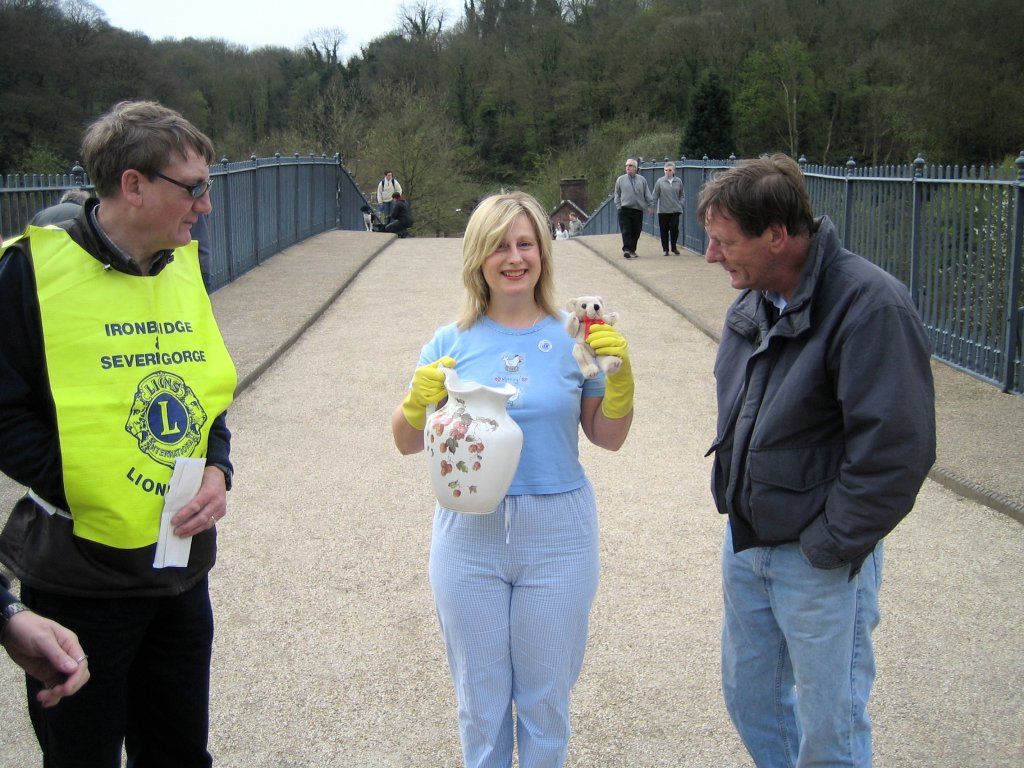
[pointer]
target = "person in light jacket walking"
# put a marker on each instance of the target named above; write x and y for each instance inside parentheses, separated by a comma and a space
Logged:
(668, 194)
(387, 188)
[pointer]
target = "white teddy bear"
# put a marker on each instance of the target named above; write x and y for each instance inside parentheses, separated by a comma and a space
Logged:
(584, 312)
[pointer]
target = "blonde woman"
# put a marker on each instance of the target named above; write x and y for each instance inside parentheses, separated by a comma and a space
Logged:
(513, 588)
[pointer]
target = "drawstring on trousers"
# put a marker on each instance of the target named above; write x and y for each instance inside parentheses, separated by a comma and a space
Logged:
(508, 521)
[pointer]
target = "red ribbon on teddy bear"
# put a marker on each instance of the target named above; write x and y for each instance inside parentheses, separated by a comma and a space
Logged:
(589, 321)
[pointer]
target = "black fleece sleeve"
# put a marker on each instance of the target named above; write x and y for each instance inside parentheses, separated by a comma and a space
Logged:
(218, 448)
(28, 424)
(6, 596)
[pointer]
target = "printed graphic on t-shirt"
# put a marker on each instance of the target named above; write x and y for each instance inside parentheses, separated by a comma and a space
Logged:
(512, 372)
(512, 362)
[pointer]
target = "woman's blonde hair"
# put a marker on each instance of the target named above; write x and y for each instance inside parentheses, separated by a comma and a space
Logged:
(485, 232)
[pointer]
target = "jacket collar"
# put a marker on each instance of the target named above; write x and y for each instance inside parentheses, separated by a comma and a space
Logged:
(84, 229)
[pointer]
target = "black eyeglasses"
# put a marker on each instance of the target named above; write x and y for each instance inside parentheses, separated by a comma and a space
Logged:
(196, 190)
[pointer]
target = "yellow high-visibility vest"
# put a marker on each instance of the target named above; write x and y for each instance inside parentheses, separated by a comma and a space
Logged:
(138, 370)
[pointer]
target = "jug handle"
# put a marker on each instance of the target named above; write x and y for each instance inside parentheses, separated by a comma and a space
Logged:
(431, 407)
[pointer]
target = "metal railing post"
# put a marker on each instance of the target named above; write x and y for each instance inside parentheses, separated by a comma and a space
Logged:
(682, 217)
(703, 181)
(915, 233)
(320, 172)
(311, 202)
(848, 203)
(277, 202)
(229, 251)
(337, 190)
(295, 199)
(78, 174)
(1013, 311)
(255, 208)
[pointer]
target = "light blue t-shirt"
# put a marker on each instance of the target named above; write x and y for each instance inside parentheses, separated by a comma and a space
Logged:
(538, 362)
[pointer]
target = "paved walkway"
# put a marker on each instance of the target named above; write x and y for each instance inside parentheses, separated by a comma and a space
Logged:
(328, 651)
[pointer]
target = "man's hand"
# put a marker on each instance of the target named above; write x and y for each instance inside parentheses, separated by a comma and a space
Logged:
(206, 508)
(48, 652)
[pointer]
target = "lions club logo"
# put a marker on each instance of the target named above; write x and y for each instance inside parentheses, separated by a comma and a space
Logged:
(166, 417)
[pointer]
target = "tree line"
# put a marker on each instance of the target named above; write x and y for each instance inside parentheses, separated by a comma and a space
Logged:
(521, 93)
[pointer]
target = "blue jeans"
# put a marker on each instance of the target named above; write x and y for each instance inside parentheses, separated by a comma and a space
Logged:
(149, 661)
(513, 591)
(797, 661)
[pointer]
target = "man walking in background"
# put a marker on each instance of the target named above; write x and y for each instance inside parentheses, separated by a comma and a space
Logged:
(632, 195)
(826, 431)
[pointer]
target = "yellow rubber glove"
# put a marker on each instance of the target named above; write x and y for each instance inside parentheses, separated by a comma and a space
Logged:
(618, 388)
(427, 388)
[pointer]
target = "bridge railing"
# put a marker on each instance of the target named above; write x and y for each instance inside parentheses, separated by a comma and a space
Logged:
(260, 206)
(953, 234)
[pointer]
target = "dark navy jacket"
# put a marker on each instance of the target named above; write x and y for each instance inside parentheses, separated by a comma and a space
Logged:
(826, 418)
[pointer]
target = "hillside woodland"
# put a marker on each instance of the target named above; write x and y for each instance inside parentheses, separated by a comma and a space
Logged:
(521, 93)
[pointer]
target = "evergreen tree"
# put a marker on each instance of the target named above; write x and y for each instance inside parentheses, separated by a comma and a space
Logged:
(709, 129)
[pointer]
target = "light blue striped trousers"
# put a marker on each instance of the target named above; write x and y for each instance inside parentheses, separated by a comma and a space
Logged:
(513, 591)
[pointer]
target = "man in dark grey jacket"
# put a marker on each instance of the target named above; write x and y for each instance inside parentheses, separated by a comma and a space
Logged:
(826, 431)
(631, 196)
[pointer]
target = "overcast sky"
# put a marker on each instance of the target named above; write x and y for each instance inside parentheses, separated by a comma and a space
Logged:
(256, 24)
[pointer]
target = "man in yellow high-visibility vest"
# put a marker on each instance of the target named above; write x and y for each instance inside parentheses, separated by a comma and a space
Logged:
(112, 369)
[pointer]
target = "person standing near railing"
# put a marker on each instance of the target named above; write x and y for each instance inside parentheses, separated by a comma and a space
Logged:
(631, 196)
(575, 225)
(668, 194)
(70, 204)
(201, 234)
(387, 188)
(113, 370)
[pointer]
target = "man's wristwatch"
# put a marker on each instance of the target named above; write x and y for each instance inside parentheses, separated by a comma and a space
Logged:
(7, 613)
(225, 470)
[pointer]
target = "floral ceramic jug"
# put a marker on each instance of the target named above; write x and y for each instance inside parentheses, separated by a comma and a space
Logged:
(472, 446)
